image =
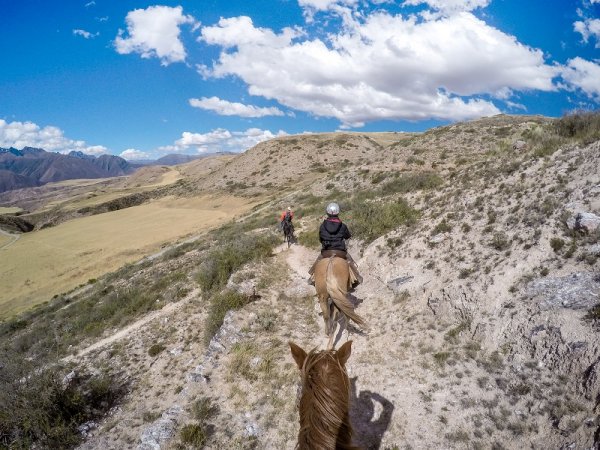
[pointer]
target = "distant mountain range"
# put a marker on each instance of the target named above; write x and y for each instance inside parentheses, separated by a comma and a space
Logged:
(35, 166)
(174, 159)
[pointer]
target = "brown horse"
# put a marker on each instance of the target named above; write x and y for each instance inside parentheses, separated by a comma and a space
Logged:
(332, 280)
(324, 399)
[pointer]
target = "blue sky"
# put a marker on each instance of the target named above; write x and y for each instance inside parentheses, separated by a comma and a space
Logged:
(141, 79)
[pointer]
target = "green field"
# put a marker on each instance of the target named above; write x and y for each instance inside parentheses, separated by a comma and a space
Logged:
(55, 260)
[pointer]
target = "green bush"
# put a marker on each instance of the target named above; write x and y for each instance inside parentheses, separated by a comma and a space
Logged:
(411, 182)
(155, 350)
(39, 410)
(500, 241)
(230, 256)
(557, 244)
(203, 409)
(194, 435)
(584, 126)
(370, 219)
(310, 239)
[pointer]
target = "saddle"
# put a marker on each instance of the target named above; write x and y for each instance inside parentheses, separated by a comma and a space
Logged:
(333, 253)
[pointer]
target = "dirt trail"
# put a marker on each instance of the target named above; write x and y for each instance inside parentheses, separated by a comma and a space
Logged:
(15, 238)
(167, 309)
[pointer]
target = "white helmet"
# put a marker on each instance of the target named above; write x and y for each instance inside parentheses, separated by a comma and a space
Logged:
(333, 209)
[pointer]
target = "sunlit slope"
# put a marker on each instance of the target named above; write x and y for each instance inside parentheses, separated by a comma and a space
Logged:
(58, 259)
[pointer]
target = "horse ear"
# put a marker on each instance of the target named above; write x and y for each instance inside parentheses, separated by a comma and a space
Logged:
(298, 354)
(343, 352)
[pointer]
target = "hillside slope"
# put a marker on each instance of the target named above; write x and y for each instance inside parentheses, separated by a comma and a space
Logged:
(480, 260)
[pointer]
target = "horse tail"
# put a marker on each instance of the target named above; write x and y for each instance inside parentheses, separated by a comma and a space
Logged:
(339, 297)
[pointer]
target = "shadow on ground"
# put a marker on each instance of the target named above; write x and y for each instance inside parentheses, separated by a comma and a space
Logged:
(370, 415)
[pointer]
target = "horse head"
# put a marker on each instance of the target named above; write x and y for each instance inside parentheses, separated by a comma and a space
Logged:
(324, 398)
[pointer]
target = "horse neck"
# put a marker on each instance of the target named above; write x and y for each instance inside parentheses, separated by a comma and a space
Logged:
(324, 422)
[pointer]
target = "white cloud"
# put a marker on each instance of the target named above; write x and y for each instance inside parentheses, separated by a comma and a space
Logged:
(220, 140)
(85, 34)
(451, 6)
(154, 32)
(226, 108)
(383, 67)
(585, 75)
(589, 28)
(92, 3)
(132, 154)
(49, 138)
(322, 5)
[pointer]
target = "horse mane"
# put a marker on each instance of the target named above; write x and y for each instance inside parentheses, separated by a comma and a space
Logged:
(324, 403)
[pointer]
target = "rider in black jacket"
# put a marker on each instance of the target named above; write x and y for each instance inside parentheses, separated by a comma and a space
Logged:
(333, 234)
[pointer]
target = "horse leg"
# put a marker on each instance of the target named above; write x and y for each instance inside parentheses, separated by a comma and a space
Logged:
(333, 320)
(325, 311)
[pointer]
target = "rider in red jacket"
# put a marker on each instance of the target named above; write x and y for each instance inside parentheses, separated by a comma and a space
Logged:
(287, 214)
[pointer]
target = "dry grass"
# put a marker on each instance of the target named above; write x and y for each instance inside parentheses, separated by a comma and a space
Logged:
(54, 260)
(4, 240)
(9, 209)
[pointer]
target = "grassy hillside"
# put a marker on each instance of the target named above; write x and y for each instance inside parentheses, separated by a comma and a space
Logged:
(482, 303)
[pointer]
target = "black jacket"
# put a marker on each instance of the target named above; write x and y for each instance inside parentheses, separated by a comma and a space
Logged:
(332, 234)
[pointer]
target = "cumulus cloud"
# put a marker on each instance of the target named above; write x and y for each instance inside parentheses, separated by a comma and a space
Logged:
(584, 75)
(382, 67)
(154, 32)
(85, 34)
(451, 6)
(589, 28)
(131, 154)
(226, 108)
(322, 5)
(220, 140)
(49, 138)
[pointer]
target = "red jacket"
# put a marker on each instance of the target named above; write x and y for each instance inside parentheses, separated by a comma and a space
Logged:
(284, 213)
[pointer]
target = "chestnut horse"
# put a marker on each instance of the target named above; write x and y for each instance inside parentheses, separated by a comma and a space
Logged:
(324, 399)
(332, 280)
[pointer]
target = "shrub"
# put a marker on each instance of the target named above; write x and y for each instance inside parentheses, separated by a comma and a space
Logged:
(39, 410)
(310, 239)
(581, 125)
(411, 182)
(155, 350)
(442, 227)
(370, 220)
(194, 435)
(500, 241)
(203, 409)
(557, 244)
(223, 261)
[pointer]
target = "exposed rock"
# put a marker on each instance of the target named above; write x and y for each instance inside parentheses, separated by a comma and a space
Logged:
(438, 238)
(594, 249)
(519, 145)
(160, 430)
(584, 221)
(395, 284)
(200, 373)
(86, 428)
(579, 290)
(68, 378)
(453, 302)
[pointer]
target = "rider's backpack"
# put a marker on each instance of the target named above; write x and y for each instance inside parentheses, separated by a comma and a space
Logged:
(288, 216)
